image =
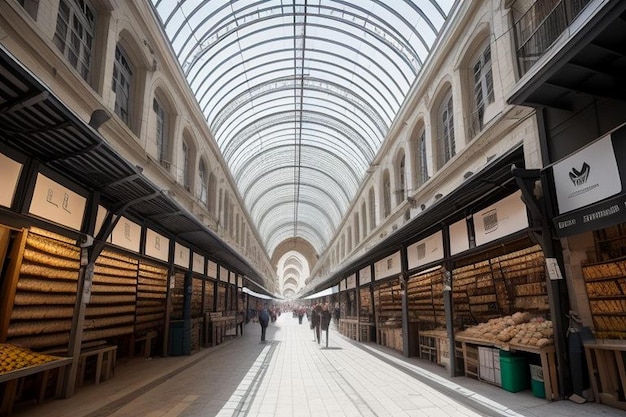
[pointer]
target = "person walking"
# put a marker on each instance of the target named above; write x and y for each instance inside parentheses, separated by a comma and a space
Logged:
(325, 317)
(300, 314)
(316, 321)
(264, 319)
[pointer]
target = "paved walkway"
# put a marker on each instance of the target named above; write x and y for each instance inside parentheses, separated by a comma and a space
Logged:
(291, 375)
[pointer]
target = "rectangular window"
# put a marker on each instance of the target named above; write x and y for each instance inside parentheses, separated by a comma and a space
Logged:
(75, 30)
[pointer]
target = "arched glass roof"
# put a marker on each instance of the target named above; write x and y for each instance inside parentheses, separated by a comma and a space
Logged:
(300, 95)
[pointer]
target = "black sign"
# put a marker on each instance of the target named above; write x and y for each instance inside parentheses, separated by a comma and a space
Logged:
(595, 216)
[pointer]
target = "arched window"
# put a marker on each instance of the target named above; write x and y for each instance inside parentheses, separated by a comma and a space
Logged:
(445, 142)
(372, 208)
(386, 194)
(185, 167)
(342, 246)
(349, 233)
(357, 233)
(237, 228)
(212, 193)
(220, 209)
(75, 33)
(161, 133)
(483, 87)
(401, 179)
(421, 163)
(122, 84)
(203, 186)
(364, 219)
(226, 211)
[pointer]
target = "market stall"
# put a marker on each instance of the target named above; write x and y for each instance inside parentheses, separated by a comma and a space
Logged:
(17, 364)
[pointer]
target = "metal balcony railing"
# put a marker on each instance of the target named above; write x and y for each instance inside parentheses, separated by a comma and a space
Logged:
(540, 26)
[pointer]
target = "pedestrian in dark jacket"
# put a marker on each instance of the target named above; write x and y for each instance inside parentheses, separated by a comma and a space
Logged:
(264, 319)
(316, 321)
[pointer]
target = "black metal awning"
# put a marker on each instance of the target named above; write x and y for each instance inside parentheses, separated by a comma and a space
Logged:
(592, 61)
(489, 185)
(37, 124)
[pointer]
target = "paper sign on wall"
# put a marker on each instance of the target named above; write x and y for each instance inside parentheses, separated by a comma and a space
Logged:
(157, 246)
(10, 171)
(500, 219)
(181, 255)
(56, 203)
(126, 234)
(365, 276)
(425, 251)
(388, 266)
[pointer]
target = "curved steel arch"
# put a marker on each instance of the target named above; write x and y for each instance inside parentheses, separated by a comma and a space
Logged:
(334, 42)
(285, 231)
(252, 129)
(254, 33)
(352, 118)
(346, 194)
(282, 138)
(354, 64)
(315, 206)
(312, 128)
(282, 194)
(390, 28)
(291, 184)
(271, 141)
(284, 84)
(390, 80)
(233, 105)
(276, 120)
(304, 146)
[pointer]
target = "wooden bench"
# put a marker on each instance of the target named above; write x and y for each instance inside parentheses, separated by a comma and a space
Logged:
(105, 363)
(146, 339)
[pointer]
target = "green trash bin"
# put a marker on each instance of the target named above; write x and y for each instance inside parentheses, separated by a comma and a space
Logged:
(537, 384)
(514, 373)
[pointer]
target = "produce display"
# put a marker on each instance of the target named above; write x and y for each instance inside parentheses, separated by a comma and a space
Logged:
(519, 328)
(14, 357)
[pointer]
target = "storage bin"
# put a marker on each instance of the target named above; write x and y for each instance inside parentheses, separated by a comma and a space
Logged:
(514, 373)
(180, 339)
(537, 384)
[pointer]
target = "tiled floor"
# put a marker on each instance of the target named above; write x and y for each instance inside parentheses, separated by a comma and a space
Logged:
(292, 375)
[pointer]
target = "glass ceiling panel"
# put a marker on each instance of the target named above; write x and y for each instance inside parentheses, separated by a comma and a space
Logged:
(300, 95)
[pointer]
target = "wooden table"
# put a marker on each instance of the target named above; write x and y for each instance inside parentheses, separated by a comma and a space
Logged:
(106, 357)
(605, 361)
(546, 355)
(12, 380)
